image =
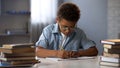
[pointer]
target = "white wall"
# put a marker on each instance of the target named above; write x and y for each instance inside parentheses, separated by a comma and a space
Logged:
(93, 19)
(113, 18)
(43, 12)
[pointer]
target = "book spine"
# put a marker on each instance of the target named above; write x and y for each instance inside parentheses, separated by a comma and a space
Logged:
(111, 55)
(112, 51)
(109, 59)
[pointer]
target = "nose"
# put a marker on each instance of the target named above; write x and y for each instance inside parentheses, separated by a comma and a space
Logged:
(68, 31)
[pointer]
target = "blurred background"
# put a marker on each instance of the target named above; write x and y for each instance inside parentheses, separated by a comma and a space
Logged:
(23, 20)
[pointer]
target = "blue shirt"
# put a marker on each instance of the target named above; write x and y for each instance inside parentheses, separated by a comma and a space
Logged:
(51, 39)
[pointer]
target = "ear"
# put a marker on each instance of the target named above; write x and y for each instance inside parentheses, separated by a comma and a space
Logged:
(57, 19)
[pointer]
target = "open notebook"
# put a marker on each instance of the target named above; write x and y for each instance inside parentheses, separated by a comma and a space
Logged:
(60, 59)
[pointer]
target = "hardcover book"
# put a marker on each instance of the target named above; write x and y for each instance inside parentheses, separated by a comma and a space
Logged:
(21, 45)
(17, 58)
(111, 55)
(17, 50)
(6, 65)
(112, 51)
(7, 55)
(109, 64)
(22, 62)
(109, 46)
(110, 59)
(111, 41)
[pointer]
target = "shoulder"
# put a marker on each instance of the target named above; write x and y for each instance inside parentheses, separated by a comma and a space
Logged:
(49, 28)
(79, 30)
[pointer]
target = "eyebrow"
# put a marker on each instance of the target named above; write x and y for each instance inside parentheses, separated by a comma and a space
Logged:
(67, 26)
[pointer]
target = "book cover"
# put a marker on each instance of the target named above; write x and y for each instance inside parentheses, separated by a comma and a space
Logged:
(17, 58)
(21, 45)
(109, 46)
(21, 62)
(109, 64)
(111, 41)
(112, 51)
(7, 55)
(7, 65)
(111, 55)
(17, 50)
(110, 59)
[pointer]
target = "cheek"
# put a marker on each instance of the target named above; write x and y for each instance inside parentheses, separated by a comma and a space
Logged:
(63, 31)
(67, 32)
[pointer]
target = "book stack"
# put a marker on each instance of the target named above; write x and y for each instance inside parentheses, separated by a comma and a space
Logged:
(111, 53)
(18, 54)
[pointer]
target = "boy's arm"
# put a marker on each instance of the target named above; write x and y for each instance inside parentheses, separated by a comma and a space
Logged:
(88, 52)
(42, 52)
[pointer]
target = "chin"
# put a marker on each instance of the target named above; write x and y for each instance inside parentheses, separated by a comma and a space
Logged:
(67, 34)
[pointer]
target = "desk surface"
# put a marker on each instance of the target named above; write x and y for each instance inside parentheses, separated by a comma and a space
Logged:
(83, 63)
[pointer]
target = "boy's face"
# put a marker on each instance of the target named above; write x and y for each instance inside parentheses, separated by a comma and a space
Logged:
(66, 27)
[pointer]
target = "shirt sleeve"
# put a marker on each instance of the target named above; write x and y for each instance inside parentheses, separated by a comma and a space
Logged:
(43, 39)
(85, 42)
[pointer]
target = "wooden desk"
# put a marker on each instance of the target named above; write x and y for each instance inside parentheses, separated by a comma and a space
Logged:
(83, 63)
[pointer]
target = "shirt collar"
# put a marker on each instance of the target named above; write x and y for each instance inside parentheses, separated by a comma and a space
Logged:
(56, 28)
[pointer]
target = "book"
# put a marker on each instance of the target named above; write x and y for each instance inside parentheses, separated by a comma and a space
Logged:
(21, 45)
(17, 50)
(109, 46)
(111, 55)
(110, 59)
(112, 51)
(7, 65)
(21, 62)
(7, 55)
(17, 58)
(111, 41)
(109, 64)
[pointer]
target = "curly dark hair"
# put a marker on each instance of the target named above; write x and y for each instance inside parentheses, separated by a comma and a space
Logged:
(69, 11)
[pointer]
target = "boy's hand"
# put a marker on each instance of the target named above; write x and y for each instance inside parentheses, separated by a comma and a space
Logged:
(63, 54)
(73, 54)
(67, 54)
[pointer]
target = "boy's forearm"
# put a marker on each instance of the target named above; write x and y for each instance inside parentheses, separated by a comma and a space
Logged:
(41, 52)
(89, 52)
